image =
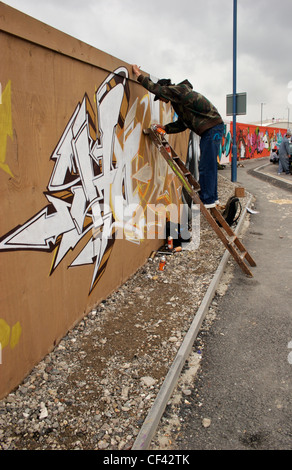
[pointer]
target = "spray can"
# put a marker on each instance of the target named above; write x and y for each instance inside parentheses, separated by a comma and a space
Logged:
(162, 263)
(170, 243)
(158, 129)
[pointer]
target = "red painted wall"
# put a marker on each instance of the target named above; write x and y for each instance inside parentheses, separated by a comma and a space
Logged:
(252, 141)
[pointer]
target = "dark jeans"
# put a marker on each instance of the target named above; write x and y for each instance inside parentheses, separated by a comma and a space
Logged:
(209, 147)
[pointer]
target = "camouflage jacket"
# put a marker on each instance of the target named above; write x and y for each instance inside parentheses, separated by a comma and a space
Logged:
(195, 112)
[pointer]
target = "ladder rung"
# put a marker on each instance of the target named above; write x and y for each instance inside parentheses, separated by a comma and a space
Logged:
(232, 239)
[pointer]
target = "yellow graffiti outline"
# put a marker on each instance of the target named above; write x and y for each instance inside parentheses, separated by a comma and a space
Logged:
(5, 126)
(9, 335)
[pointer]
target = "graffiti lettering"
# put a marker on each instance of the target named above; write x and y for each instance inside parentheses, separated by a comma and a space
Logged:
(255, 142)
(9, 336)
(5, 125)
(100, 184)
(225, 146)
(91, 167)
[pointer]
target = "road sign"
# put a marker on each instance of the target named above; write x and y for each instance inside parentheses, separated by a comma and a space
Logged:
(240, 104)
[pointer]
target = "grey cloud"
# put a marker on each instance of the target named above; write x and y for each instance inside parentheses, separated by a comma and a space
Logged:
(187, 39)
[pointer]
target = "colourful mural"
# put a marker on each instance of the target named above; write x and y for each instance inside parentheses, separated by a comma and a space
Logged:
(226, 146)
(252, 141)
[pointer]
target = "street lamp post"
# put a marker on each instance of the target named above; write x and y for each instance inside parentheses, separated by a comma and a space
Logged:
(234, 146)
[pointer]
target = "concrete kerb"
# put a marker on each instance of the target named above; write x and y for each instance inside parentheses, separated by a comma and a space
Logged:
(152, 420)
(274, 180)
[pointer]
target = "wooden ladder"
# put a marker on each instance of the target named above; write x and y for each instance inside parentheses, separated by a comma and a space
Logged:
(213, 216)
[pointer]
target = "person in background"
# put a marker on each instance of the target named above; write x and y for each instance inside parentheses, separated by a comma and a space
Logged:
(290, 156)
(197, 113)
(284, 153)
(274, 157)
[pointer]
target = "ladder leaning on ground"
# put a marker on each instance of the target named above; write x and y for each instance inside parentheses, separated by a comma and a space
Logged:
(213, 215)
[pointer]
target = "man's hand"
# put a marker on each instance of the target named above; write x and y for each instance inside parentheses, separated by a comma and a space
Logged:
(136, 70)
(159, 128)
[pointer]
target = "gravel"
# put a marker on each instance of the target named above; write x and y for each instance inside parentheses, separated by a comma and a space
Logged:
(94, 390)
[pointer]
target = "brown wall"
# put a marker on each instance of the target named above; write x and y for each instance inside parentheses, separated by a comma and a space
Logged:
(72, 142)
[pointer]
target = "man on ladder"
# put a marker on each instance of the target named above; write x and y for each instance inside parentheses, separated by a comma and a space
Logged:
(198, 114)
(195, 112)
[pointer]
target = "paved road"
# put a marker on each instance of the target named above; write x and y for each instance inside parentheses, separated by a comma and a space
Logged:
(245, 381)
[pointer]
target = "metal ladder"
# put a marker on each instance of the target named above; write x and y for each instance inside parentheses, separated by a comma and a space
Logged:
(213, 216)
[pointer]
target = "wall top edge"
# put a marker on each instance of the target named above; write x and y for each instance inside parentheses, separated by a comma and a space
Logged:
(23, 26)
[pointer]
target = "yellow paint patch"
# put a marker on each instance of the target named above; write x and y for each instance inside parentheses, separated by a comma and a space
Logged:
(281, 201)
(15, 335)
(8, 334)
(5, 126)
(4, 333)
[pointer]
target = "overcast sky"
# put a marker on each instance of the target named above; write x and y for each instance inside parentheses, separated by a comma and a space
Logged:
(190, 39)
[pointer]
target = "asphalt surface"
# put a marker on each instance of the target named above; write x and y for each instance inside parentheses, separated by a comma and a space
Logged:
(241, 397)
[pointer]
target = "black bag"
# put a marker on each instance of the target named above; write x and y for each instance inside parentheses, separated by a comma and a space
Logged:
(232, 210)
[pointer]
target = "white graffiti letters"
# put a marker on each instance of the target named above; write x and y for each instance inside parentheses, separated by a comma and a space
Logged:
(92, 169)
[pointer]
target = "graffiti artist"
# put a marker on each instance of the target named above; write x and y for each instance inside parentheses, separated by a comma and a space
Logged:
(197, 113)
(284, 154)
